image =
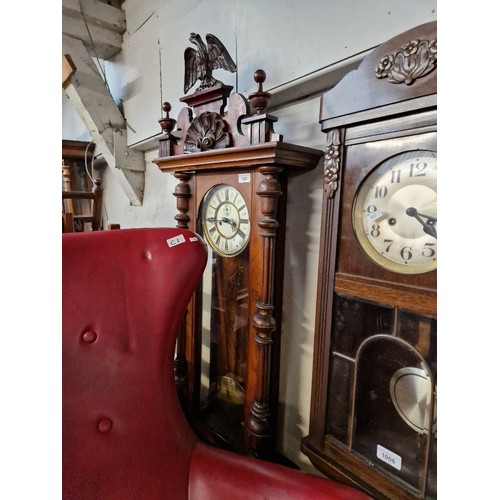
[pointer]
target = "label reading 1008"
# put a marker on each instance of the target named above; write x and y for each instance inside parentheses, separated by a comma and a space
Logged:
(389, 457)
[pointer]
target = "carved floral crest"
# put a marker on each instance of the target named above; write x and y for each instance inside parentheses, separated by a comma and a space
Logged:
(415, 60)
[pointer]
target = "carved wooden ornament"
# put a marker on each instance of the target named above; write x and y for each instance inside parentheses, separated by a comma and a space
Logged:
(416, 59)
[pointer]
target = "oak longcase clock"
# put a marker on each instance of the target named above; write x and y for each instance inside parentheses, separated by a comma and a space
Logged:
(374, 397)
(232, 170)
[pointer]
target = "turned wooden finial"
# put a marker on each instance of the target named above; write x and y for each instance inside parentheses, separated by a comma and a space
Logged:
(167, 124)
(260, 99)
(168, 140)
(261, 123)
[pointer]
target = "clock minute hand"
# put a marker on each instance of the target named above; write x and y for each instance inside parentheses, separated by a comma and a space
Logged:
(213, 219)
(428, 226)
(430, 230)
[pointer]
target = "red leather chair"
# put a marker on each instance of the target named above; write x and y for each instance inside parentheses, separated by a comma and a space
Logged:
(124, 435)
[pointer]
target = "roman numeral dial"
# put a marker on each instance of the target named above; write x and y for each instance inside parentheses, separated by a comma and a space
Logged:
(225, 220)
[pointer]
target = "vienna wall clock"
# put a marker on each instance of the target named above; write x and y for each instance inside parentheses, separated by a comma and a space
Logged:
(232, 170)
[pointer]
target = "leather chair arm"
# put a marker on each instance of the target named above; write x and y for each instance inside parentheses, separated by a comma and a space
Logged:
(219, 475)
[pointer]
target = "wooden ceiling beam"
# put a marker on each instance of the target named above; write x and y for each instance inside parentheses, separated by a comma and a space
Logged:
(96, 13)
(98, 25)
(68, 69)
(95, 106)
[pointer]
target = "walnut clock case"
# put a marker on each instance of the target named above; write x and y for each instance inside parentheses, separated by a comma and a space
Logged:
(232, 170)
(373, 408)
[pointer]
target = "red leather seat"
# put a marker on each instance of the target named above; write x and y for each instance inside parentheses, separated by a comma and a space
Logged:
(124, 434)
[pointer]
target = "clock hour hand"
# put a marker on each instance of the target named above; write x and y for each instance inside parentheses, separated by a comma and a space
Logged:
(428, 225)
(230, 222)
(224, 219)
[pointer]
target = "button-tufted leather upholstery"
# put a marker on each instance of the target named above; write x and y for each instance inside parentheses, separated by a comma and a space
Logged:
(124, 433)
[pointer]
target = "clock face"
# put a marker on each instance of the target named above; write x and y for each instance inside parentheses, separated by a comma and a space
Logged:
(225, 220)
(395, 213)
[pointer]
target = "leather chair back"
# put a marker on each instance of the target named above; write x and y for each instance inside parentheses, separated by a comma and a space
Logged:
(124, 295)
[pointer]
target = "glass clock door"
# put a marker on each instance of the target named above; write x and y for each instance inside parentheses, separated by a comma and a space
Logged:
(224, 321)
(383, 390)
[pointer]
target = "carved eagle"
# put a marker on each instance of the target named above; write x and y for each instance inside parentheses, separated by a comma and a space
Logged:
(199, 64)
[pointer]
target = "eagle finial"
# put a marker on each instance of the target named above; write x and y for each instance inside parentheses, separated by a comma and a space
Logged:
(199, 64)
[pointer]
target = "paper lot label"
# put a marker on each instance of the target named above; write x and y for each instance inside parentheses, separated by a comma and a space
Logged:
(389, 457)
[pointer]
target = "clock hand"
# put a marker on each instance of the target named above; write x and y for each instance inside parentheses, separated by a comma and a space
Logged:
(430, 230)
(430, 220)
(428, 226)
(213, 219)
(226, 220)
(231, 222)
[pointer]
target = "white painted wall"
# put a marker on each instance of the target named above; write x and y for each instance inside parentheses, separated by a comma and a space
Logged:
(300, 45)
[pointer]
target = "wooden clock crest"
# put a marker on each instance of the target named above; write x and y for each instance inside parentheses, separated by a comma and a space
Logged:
(373, 408)
(232, 170)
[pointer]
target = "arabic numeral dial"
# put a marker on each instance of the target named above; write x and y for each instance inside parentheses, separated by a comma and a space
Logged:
(395, 213)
